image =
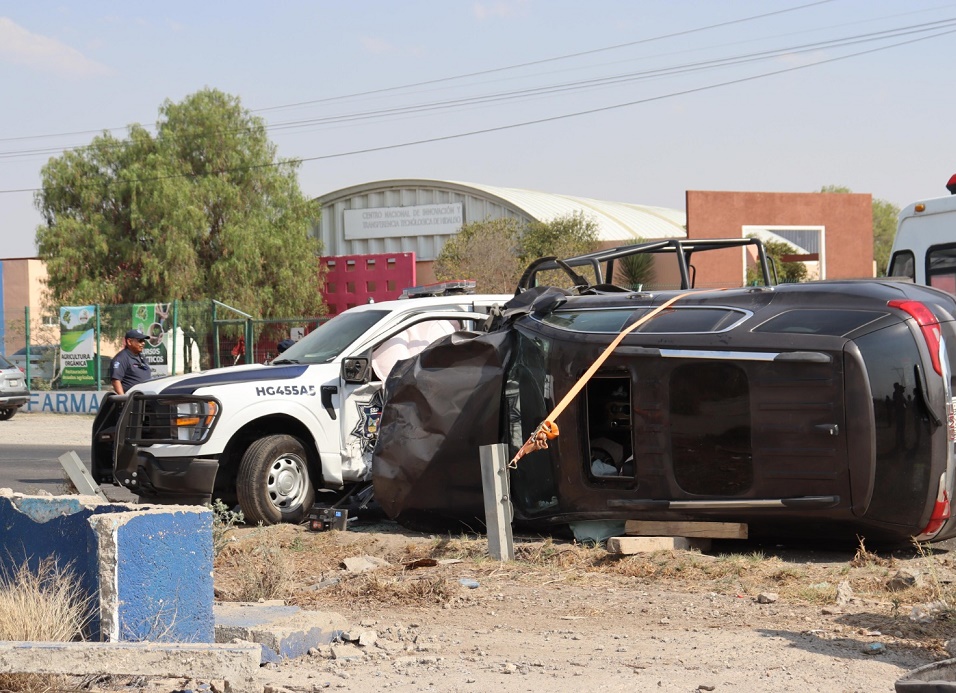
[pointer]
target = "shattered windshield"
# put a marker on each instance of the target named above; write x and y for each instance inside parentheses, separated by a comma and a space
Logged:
(329, 340)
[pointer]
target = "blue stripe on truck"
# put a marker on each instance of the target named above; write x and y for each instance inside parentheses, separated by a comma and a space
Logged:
(190, 385)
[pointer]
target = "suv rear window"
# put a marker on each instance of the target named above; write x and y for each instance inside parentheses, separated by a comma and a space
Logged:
(683, 320)
(834, 323)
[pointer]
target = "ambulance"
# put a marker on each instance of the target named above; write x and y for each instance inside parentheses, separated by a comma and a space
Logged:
(925, 246)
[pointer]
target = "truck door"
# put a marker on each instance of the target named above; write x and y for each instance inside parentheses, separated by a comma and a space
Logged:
(364, 373)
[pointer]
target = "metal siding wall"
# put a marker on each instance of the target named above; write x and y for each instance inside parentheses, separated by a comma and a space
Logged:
(331, 231)
(352, 280)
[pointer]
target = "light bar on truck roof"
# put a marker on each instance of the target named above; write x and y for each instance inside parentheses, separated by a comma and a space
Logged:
(462, 286)
(951, 185)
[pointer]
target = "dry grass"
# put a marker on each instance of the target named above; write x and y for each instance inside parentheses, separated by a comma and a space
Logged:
(314, 576)
(259, 568)
(45, 604)
(388, 588)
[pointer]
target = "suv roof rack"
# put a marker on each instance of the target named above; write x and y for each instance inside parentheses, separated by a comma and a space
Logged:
(463, 286)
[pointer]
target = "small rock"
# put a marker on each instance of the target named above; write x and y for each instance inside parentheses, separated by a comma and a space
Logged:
(927, 613)
(469, 583)
(389, 646)
(367, 638)
(874, 648)
(362, 564)
(844, 593)
(767, 597)
(904, 579)
(346, 652)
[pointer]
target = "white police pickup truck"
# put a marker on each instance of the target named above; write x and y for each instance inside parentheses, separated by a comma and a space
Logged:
(269, 436)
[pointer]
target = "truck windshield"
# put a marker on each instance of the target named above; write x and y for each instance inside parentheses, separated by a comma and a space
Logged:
(325, 343)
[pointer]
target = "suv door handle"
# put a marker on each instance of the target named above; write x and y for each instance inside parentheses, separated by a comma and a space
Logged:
(326, 392)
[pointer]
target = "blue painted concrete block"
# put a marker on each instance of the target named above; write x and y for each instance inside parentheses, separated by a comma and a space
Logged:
(283, 631)
(34, 528)
(163, 575)
(147, 569)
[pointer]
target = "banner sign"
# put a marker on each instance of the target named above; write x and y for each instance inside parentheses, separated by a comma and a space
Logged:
(72, 402)
(390, 222)
(152, 319)
(77, 345)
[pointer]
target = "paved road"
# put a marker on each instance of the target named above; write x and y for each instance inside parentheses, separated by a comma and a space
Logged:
(30, 447)
(28, 467)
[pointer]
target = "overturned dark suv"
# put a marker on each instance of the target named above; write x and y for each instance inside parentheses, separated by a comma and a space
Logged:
(820, 409)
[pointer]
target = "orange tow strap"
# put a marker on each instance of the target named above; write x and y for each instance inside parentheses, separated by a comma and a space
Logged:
(548, 429)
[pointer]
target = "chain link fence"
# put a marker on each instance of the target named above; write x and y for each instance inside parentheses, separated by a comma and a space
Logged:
(73, 350)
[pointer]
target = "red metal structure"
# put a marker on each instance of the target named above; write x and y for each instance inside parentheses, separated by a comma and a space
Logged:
(351, 280)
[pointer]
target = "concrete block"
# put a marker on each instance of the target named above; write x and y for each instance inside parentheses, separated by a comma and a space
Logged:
(39, 527)
(156, 579)
(236, 664)
(147, 570)
(282, 631)
(632, 545)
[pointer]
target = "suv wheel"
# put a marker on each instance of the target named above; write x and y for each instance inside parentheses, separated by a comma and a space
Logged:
(7, 413)
(273, 483)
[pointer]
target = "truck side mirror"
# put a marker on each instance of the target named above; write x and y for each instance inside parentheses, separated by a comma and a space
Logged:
(356, 370)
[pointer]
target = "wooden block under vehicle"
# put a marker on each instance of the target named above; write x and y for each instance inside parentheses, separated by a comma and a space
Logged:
(632, 545)
(710, 530)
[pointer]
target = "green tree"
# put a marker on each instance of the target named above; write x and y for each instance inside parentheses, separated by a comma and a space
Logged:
(203, 209)
(495, 252)
(885, 215)
(485, 251)
(786, 271)
(636, 271)
(566, 236)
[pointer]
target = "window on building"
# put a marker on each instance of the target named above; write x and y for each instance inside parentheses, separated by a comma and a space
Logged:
(809, 244)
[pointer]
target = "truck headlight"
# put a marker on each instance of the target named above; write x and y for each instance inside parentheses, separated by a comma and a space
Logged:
(195, 418)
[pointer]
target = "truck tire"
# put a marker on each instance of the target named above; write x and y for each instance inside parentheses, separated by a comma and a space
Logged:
(273, 484)
(7, 413)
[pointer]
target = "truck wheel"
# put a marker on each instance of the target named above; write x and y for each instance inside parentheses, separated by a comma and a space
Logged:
(273, 483)
(7, 413)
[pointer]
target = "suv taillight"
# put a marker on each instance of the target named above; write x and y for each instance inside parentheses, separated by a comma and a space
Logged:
(941, 511)
(928, 325)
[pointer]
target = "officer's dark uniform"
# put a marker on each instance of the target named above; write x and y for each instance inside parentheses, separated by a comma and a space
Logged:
(129, 369)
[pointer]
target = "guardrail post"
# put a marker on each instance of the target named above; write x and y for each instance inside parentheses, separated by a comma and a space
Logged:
(497, 494)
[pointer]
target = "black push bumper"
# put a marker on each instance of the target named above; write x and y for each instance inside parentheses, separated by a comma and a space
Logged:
(183, 480)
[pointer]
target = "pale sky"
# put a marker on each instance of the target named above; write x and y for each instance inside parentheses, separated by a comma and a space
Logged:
(633, 101)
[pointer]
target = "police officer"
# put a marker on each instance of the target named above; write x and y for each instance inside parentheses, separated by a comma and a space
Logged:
(128, 367)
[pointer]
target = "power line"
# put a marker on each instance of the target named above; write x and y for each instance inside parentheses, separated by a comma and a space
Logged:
(543, 61)
(537, 121)
(465, 75)
(553, 89)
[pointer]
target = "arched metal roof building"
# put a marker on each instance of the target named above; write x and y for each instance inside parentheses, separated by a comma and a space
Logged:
(419, 215)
